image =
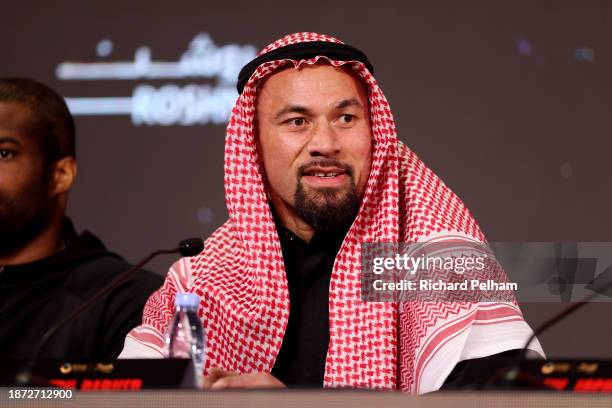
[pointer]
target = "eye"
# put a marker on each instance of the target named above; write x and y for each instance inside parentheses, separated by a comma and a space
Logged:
(296, 122)
(5, 154)
(346, 118)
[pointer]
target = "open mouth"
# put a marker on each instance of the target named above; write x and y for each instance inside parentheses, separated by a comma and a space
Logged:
(325, 177)
(323, 171)
(330, 174)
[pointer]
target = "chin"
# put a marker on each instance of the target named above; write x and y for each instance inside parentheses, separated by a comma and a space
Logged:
(327, 196)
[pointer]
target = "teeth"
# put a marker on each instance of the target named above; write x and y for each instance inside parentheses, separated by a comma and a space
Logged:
(327, 175)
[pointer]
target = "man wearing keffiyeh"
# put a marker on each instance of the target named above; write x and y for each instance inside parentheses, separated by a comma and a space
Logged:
(313, 169)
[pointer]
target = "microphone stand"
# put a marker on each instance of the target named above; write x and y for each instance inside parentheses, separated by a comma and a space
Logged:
(512, 373)
(187, 248)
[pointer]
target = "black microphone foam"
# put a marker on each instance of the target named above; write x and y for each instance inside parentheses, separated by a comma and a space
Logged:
(191, 246)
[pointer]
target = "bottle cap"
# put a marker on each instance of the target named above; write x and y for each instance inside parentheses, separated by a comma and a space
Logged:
(190, 300)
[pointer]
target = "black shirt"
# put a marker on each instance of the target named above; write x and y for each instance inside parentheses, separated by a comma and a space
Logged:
(301, 360)
(36, 295)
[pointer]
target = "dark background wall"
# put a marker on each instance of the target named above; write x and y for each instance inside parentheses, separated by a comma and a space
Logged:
(509, 102)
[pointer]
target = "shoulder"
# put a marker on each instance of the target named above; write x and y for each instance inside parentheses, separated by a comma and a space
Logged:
(93, 267)
(89, 276)
(216, 248)
(427, 205)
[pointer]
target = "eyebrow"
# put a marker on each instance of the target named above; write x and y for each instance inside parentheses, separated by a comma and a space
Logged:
(9, 139)
(292, 109)
(345, 103)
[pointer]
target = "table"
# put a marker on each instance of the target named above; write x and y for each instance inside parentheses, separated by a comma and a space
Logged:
(317, 399)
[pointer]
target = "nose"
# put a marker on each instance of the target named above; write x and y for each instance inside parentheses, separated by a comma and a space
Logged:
(324, 141)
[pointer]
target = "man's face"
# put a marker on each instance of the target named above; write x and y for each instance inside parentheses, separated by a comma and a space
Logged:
(314, 137)
(24, 184)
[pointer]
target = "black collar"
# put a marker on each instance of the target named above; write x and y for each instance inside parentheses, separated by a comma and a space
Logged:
(321, 240)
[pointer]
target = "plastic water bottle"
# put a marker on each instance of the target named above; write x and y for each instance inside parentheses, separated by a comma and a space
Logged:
(185, 337)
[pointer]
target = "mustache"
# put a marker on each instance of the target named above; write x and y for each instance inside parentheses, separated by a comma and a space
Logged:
(305, 168)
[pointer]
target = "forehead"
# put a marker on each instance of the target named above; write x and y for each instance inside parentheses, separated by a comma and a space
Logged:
(15, 119)
(314, 83)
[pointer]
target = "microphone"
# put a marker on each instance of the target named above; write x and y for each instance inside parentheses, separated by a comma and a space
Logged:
(191, 246)
(598, 286)
(187, 247)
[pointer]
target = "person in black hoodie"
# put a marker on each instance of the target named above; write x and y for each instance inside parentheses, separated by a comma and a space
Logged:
(46, 268)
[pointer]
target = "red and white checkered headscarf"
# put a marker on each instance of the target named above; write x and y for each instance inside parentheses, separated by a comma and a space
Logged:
(240, 275)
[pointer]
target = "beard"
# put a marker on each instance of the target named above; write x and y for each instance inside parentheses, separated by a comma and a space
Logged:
(326, 209)
(23, 217)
